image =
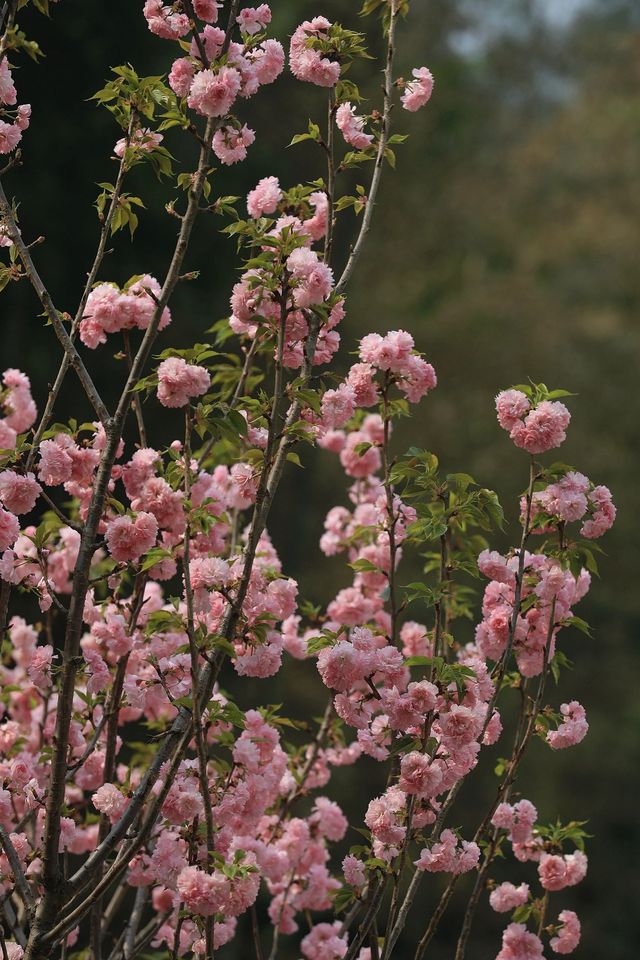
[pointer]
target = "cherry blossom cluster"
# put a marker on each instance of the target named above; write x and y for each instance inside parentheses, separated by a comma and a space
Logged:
(177, 591)
(556, 871)
(19, 115)
(216, 72)
(111, 310)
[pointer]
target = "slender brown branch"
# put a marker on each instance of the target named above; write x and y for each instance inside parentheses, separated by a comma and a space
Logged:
(380, 156)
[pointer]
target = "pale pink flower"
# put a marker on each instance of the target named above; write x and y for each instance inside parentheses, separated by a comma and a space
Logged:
(181, 76)
(110, 801)
(418, 91)
(18, 492)
(9, 530)
(518, 943)
(179, 381)
(351, 127)
(128, 538)
(206, 10)
(230, 144)
(164, 22)
(264, 198)
(213, 94)
(307, 64)
(572, 730)
(39, 669)
(506, 896)
(253, 19)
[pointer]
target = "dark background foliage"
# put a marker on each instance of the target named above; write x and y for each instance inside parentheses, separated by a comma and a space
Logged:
(506, 242)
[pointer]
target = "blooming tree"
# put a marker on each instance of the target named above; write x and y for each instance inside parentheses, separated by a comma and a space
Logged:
(140, 808)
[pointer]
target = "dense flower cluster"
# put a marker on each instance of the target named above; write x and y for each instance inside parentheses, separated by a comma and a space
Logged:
(110, 310)
(160, 559)
(11, 132)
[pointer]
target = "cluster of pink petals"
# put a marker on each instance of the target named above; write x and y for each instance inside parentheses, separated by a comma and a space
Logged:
(230, 143)
(308, 64)
(394, 353)
(573, 728)
(128, 538)
(11, 133)
(253, 19)
(534, 429)
(325, 942)
(110, 310)
(142, 139)
(351, 127)
(9, 530)
(518, 943)
(18, 407)
(179, 381)
(313, 278)
(449, 855)
(568, 936)
(212, 88)
(212, 94)
(573, 498)
(164, 21)
(418, 91)
(507, 896)
(557, 872)
(264, 198)
(517, 819)
(547, 588)
(18, 492)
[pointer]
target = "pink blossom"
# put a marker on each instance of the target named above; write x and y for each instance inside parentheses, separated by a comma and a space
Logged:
(128, 538)
(518, 943)
(39, 669)
(20, 409)
(568, 937)
(9, 529)
(552, 871)
(543, 428)
(572, 730)
(213, 94)
(337, 407)
(110, 801)
(419, 776)
(328, 819)
(307, 64)
(264, 198)
(203, 893)
(604, 513)
(230, 144)
(10, 136)
(179, 381)
(506, 897)
(268, 61)
(7, 87)
(361, 380)
(390, 352)
(142, 139)
(253, 19)
(206, 10)
(18, 492)
(181, 76)
(165, 23)
(314, 278)
(354, 871)
(324, 942)
(511, 406)
(418, 92)
(418, 378)
(351, 127)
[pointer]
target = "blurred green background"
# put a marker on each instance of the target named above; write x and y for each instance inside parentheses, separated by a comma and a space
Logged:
(506, 242)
